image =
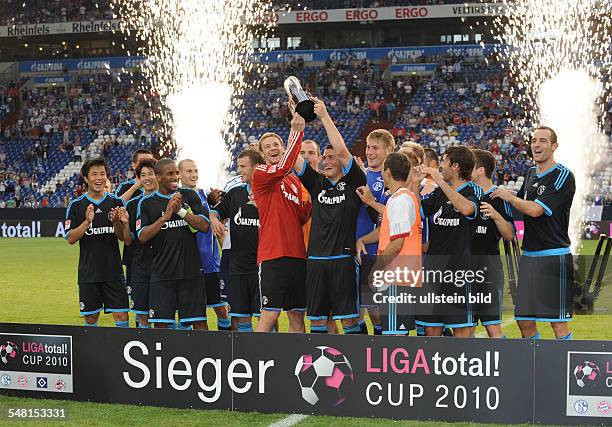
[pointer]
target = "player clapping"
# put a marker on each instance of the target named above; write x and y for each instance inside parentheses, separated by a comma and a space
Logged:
(95, 221)
(165, 219)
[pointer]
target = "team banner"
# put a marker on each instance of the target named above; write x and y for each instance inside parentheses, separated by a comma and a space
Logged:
(579, 375)
(501, 381)
(282, 17)
(392, 377)
(36, 362)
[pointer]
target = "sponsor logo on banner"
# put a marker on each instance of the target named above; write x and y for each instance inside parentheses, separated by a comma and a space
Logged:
(76, 27)
(281, 17)
(604, 407)
(33, 229)
(324, 376)
(59, 65)
(589, 384)
(36, 360)
(8, 352)
(17, 229)
(27, 30)
(376, 54)
(5, 380)
(581, 406)
(41, 382)
(587, 374)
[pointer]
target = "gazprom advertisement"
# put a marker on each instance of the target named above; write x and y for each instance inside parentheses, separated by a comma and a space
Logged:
(81, 64)
(374, 54)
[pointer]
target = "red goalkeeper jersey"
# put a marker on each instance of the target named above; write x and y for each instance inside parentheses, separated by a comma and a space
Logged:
(282, 206)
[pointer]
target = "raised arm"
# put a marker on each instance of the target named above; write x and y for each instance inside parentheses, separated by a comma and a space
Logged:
(333, 135)
(129, 193)
(266, 175)
(461, 203)
(527, 207)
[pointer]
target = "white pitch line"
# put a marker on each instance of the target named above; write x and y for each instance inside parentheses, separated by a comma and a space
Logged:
(505, 323)
(289, 421)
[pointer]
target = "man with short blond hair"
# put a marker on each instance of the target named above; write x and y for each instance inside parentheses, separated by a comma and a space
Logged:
(413, 148)
(379, 144)
(269, 140)
(237, 206)
(281, 254)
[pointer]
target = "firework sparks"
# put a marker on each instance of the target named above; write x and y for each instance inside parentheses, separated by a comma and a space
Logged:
(556, 51)
(198, 53)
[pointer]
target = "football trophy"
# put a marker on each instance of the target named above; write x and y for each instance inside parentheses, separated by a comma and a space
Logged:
(299, 100)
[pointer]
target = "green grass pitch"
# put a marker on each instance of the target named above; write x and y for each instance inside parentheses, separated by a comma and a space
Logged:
(38, 285)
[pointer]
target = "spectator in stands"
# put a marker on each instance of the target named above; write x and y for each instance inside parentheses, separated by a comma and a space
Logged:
(390, 110)
(77, 156)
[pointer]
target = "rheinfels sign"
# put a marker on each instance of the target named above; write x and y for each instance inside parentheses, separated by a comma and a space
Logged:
(77, 27)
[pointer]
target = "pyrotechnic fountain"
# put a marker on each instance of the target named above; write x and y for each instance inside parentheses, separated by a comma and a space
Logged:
(558, 51)
(198, 53)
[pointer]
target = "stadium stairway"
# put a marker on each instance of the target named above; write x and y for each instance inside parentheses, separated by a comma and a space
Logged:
(72, 168)
(67, 172)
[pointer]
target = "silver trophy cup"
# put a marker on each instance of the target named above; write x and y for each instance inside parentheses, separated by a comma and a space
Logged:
(299, 100)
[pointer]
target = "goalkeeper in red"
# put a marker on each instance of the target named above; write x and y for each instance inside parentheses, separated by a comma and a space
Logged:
(281, 254)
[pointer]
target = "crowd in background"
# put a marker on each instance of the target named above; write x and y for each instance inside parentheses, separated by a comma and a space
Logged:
(465, 102)
(351, 4)
(53, 120)
(16, 12)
